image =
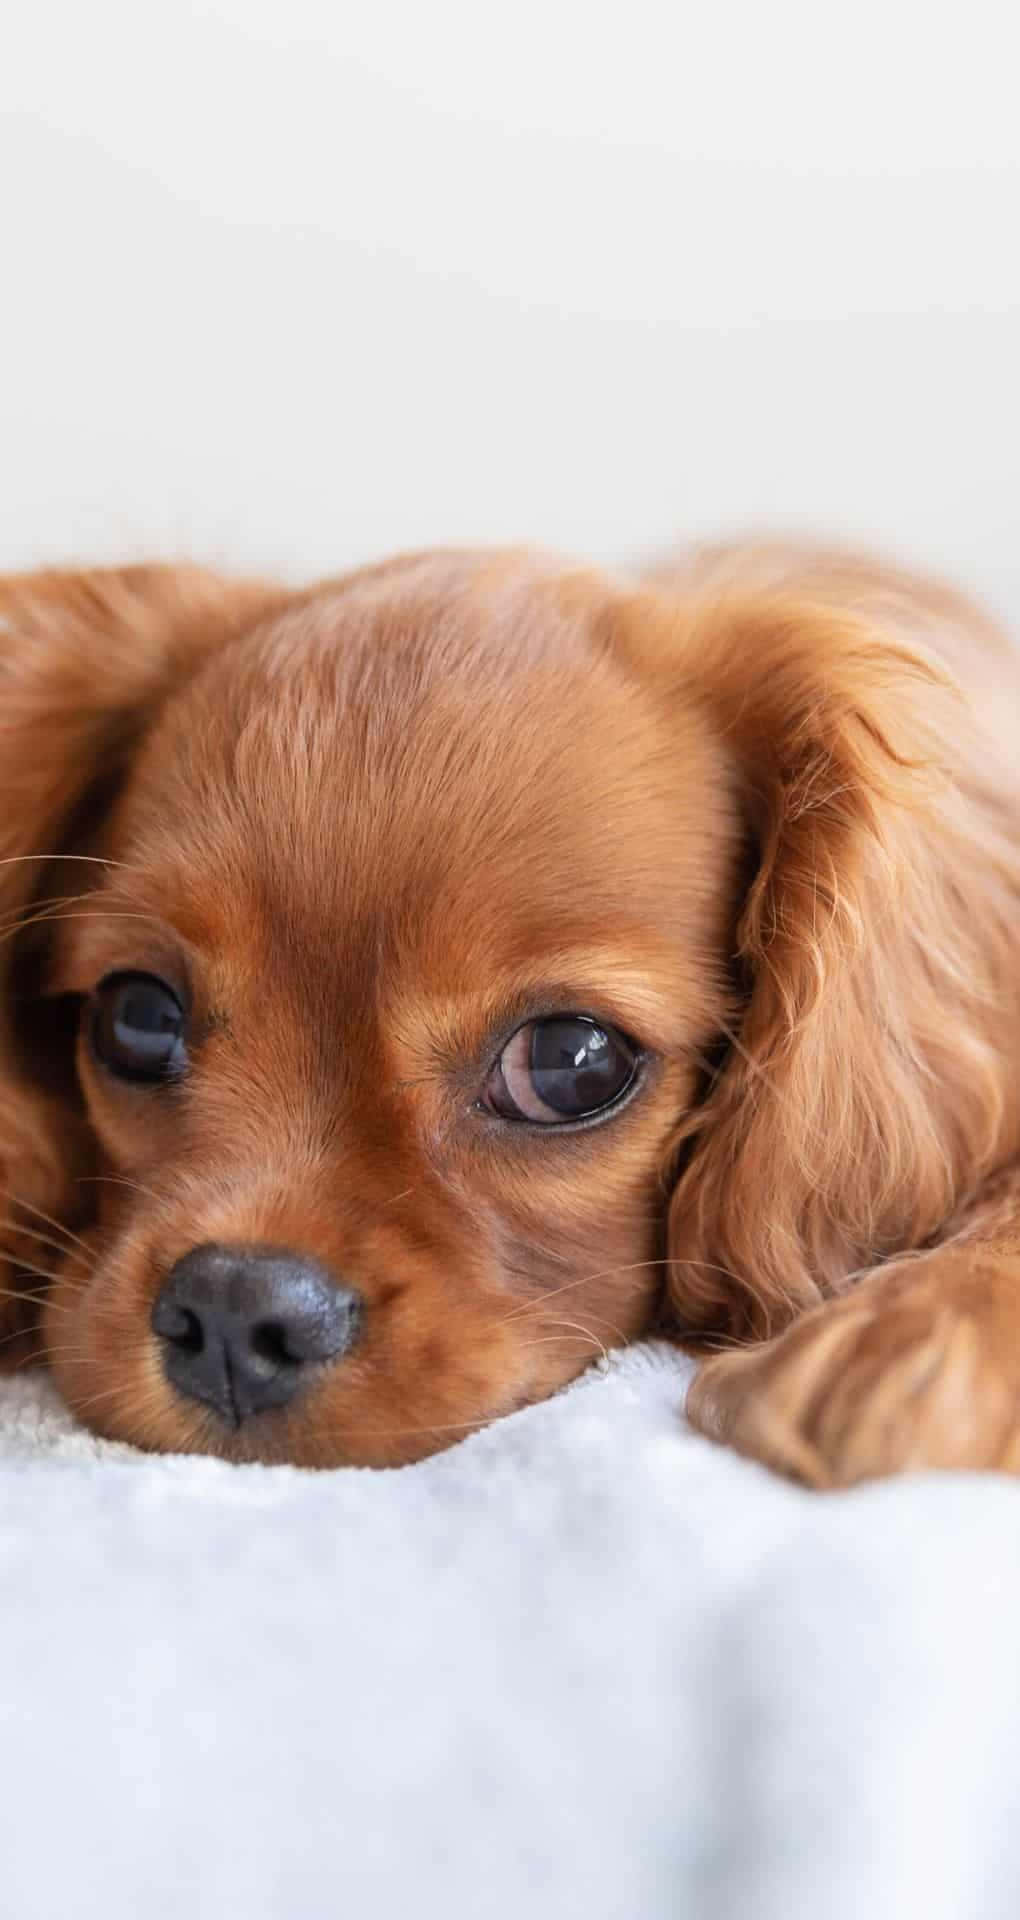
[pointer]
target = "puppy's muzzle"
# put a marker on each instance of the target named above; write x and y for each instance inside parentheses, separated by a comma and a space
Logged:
(242, 1328)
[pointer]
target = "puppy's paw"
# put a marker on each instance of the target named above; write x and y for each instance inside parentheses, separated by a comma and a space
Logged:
(920, 1367)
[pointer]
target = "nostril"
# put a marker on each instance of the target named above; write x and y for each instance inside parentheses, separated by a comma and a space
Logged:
(270, 1340)
(179, 1326)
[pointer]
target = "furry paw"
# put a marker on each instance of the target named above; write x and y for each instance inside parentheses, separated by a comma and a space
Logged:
(919, 1367)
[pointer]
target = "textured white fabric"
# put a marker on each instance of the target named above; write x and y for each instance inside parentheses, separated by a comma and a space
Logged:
(583, 1664)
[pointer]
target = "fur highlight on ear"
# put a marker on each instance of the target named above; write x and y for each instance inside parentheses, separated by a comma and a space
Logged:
(85, 658)
(862, 1091)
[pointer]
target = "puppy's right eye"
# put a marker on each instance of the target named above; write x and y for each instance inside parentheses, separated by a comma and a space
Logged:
(137, 1027)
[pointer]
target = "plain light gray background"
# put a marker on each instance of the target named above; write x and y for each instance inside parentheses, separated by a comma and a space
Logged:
(292, 285)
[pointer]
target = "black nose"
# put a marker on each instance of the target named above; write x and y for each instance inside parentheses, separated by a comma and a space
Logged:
(241, 1326)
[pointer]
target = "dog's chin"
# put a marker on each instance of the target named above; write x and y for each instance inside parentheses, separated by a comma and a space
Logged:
(112, 1377)
(403, 1392)
(154, 1418)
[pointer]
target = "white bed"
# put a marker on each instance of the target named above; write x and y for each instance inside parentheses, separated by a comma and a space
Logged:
(582, 1664)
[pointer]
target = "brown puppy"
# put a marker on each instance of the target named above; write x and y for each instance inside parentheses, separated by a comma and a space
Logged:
(414, 985)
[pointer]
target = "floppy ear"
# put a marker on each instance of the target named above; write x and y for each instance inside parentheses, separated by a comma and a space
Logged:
(85, 659)
(861, 1090)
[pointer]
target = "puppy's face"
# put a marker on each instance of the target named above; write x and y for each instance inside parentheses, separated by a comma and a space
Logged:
(402, 950)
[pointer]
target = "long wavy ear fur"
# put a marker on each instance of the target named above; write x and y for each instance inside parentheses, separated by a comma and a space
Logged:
(863, 1088)
(85, 659)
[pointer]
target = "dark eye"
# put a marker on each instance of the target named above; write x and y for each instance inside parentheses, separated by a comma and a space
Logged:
(559, 1069)
(137, 1027)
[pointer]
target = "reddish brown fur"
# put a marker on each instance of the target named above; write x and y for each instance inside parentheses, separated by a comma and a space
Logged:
(760, 810)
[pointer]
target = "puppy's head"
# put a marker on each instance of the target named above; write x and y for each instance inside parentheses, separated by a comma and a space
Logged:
(368, 953)
(386, 928)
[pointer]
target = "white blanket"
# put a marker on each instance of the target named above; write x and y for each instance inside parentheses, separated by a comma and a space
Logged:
(584, 1664)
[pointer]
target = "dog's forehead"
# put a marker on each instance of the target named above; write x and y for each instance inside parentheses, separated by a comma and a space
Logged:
(426, 770)
(406, 640)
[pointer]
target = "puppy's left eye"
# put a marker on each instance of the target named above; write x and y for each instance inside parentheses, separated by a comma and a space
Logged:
(563, 1068)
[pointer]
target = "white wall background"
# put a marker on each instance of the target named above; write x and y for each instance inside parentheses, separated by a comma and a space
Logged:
(289, 282)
